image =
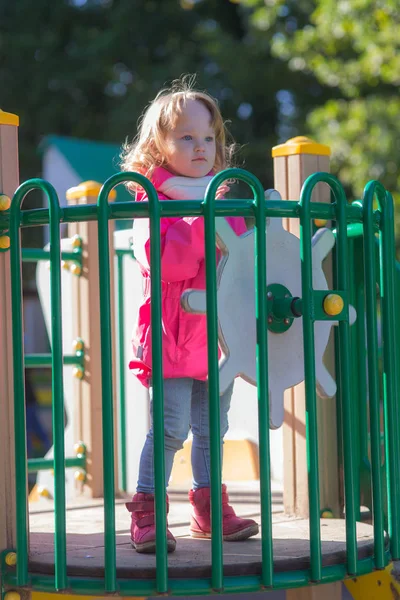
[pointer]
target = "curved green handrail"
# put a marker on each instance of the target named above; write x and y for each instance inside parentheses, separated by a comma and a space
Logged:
(60, 544)
(262, 372)
(375, 189)
(157, 379)
(309, 369)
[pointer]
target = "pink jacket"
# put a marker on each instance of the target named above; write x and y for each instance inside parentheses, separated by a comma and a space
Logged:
(184, 335)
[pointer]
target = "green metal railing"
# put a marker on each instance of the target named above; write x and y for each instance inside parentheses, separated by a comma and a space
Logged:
(345, 216)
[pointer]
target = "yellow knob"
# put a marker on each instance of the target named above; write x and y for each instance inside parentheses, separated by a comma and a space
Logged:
(65, 265)
(320, 222)
(78, 372)
(79, 476)
(44, 492)
(5, 202)
(79, 448)
(77, 345)
(75, 269)
(76, 241)
(11, 559)
(12, 595)
(4, 242)
(333, 304)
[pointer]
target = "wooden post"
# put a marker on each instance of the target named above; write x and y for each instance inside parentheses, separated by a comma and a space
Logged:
(9, 179)
(294, 161)
(86, 319)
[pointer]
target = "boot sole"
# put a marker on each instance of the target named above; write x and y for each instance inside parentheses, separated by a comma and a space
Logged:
(237, 536)
(150, 547)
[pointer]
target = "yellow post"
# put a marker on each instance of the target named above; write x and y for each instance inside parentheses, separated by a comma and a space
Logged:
(86, 325)
(294, 161)
(9, 179)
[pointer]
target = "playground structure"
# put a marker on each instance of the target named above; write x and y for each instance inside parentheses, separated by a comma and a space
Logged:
(320, 458)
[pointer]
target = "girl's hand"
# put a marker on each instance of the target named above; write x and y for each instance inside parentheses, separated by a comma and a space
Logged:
(221, 191)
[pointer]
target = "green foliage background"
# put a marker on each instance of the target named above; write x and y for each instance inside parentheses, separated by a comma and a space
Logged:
(325, 68)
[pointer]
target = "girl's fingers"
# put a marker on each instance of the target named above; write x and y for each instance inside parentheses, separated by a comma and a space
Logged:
(221, 191)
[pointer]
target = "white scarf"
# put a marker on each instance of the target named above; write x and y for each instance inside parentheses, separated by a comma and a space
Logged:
(185, 188)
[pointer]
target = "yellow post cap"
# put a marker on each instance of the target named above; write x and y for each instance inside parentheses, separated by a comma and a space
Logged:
(300, 145)
(87, 188)
(8, 118)
(333, 304)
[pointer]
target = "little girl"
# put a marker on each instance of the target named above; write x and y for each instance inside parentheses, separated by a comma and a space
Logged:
(179, 147)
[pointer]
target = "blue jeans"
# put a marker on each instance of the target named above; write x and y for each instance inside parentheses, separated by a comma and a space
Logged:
(185, 407)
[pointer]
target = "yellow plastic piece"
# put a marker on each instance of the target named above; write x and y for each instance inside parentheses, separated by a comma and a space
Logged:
(300, 145)
(77, 345)
(333, 304)
(88, 189)
(12, 595)
(11, 559)
(4, 242)
(79, 476)
(5, 202)
(378, 584)
(75, 269)
(8, 118)
(76, 241)
(78, 372)
(327, 514)
(79, 448)
(241, 462)
(43, 492)
(65, 265)
(320, 222)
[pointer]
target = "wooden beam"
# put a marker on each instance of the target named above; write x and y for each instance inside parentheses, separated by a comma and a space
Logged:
(86, 313)
(9, 179)
(293, 163)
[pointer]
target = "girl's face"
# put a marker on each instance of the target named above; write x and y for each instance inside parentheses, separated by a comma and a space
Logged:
(191, 143)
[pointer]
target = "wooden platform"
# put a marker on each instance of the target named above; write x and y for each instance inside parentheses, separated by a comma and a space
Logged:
(192, 558)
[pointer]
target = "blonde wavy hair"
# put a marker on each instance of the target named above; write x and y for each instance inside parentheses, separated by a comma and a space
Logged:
(148, 150)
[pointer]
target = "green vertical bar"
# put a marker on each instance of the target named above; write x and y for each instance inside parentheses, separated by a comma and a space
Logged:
(217, 574)
(18, 378)
(349, 450)
(262, 383)
(57, 383)
(121, 367)
(158, 389)
(371, 189)
(110, 580)
(60, 536)
(390, 356)
(361, 344)
(310, 382)
(357, 356)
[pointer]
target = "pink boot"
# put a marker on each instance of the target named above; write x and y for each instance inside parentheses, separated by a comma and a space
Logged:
(143, 528)
(234, 528)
